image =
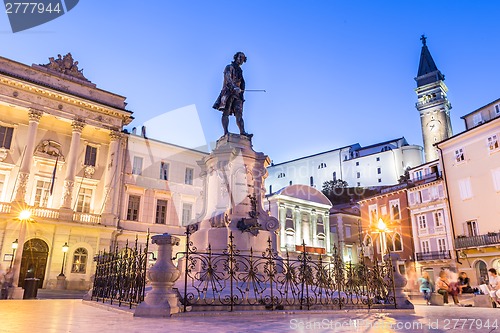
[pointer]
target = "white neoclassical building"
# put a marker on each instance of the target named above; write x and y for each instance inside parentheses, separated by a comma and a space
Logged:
(303, 213)
(375, 165)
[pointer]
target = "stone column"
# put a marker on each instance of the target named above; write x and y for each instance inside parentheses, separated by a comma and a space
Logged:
(161, 301)
(282, 219)
(298, 226)
(69, 181)
(401, 299)
(24, 170)
(326, 223)
(111, 172)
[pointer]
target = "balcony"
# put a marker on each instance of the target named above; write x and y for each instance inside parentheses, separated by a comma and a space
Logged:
(427, 178)
(433, 255)
(491, 238)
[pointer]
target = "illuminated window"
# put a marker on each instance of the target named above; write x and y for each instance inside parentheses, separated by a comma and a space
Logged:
(459, 155)
(83, 201)
(42, 193)
(79, 261)
(493, 143)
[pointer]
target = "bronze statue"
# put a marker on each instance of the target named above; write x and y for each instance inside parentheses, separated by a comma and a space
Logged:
(230, 100)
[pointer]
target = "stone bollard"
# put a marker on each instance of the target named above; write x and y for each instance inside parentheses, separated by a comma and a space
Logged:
(161, 300)
(401, 298)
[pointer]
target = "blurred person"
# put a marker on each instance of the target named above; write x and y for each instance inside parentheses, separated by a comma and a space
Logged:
(425, 287)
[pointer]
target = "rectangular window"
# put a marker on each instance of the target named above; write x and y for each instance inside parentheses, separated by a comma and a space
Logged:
(90, 156)
(425, 246)
(471, 228)
(83, 201)
(442, 245)
(379, 170)
(133, 207)
(378, 159)
(188, 176)
(357, 163)
(137, 166)
(164, 170)
(347, 231)
(465, 188)
(497, 109)
(186, 213)
(425, 195)
(422, 222)
(6, 136)
(493, 143)
(477, 119)
(358, 184)
(380, 180)
(161, 212)
(358, 174)
(383, 210)
(411, 198)
(42, 193)
(495, 173)
(459, 155)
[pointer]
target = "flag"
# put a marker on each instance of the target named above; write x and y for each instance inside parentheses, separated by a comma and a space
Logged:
(53, 180)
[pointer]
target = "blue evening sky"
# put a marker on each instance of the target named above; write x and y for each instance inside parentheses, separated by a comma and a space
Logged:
(336, 72)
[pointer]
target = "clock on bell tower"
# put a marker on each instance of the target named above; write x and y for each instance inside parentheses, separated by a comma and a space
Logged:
(432, 104)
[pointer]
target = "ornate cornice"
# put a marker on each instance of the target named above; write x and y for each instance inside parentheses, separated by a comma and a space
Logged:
(115, 135)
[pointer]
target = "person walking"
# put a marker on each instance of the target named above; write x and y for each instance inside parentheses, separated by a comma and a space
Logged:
(425, 287)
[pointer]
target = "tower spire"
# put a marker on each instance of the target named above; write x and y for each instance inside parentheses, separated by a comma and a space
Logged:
(432, 104)
(427, 69)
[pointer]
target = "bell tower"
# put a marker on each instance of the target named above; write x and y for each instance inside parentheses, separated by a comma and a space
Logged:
(432, 103)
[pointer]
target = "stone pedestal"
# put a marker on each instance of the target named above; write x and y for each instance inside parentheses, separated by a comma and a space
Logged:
(233, 176)
(161, 300)
(61, 282)
(401, 298)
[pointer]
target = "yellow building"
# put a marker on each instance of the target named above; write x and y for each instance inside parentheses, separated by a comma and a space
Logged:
(86, 184)
(471, 167)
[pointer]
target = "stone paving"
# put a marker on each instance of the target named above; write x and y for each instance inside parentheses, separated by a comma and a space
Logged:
(62, 315)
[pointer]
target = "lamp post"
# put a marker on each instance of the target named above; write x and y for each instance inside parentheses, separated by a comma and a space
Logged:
(382, 228)
(64, 249)
(14, 248)
(61, 278)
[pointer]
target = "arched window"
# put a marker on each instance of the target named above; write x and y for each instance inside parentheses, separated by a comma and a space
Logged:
(398, 244)
(390, 243)
(481, 272)
(79, 261)
(311, 181)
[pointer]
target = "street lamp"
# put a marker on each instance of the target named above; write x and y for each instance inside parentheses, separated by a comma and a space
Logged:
(382, 227)
(14, 248)
(64, 249)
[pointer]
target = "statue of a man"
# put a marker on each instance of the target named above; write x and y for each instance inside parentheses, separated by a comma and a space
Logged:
(230, 100)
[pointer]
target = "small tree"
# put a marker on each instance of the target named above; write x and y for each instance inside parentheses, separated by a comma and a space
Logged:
(332, 185)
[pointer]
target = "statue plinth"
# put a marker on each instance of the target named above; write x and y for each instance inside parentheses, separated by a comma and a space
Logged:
(233, 176)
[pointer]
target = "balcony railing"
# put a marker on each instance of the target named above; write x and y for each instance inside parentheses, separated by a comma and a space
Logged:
(47, 213)
(433, 255)
(427, 178)
(477, 241)
(87, 218)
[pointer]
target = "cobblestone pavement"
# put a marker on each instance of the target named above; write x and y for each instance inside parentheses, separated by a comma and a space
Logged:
(61, 315)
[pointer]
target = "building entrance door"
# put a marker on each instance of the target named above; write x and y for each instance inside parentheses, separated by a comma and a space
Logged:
(34, 261)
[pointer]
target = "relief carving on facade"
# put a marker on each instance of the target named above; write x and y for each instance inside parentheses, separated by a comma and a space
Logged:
(88, 171)
(49, 148)
(65, 65)
(3, 154)
(67, 193)
(22, 182)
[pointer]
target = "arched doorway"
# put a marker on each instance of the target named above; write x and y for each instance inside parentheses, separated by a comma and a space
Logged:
(481, 272)
(34, 261)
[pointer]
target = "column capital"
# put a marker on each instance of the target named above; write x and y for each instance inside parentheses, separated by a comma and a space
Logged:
(78, 125)
(35, 114)
(115, 135)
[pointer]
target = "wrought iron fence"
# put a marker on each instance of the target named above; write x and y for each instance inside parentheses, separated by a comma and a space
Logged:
(247, 280)
(121, 275)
